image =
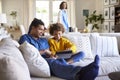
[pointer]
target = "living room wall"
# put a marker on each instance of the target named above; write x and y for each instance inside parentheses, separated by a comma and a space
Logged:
(90, 5)
(24, 14)
(0, 7)
(26, 11)
(9, 5)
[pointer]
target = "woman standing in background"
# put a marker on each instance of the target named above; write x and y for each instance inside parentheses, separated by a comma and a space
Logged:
(62, 16)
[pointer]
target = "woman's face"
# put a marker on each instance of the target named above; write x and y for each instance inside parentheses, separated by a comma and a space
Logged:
(57, 34)
(64, 5)
(38, 31)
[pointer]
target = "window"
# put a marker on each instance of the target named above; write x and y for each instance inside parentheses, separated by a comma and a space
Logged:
(47, 10)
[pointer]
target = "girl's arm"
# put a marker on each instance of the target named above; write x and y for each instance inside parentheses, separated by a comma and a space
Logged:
(70, 46)
(52, 47)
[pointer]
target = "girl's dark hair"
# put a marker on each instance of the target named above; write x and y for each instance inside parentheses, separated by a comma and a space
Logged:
(61, 5)
(35, 23)
(56, 27)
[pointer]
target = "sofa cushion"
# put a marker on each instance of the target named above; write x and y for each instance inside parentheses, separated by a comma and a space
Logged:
(12, 64)
(104, 46)
(107, 64)
(50, 78)
(8, 47)
(117, 35)
(82, 43)
(12, 69)
(36, 63)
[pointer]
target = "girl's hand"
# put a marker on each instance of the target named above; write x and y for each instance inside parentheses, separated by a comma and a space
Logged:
(68, 49)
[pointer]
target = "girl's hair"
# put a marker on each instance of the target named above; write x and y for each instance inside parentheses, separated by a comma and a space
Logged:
(61, 5)
(35, 23)
(56, 27)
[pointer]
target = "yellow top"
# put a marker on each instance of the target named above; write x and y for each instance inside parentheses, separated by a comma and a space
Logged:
(61, 45)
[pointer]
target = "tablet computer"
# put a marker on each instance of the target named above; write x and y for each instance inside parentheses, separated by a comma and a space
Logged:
(64, 54)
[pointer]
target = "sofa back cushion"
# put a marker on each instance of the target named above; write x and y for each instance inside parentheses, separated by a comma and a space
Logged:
(13, 69)
(105, 46)
(117, 35)
(82, 43)
(12, 64)
(36, 63)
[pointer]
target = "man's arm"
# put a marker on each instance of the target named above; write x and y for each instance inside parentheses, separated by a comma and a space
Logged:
(23, 38)
(48, 52)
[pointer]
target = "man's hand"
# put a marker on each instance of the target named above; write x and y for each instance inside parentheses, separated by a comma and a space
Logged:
(45, 51)
(48, 51)
(42, 52)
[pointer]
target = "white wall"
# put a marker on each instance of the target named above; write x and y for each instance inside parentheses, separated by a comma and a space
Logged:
(26, 11)
(91, 5)
(0, 7)
(99, 6)
(13, 5)
(23, 8)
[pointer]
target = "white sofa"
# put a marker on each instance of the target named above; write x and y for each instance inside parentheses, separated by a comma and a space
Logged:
(107, 64)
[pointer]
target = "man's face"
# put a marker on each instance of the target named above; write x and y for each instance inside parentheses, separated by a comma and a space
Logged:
(38, 31)
(57, 34)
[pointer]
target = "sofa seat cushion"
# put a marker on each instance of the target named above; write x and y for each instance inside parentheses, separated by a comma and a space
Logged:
(107, 64)
(50, 78)
(56, 78)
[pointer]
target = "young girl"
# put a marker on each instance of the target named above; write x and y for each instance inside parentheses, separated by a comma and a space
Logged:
(59, 43)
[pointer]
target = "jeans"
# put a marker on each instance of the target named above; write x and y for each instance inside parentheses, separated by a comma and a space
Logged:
(60, 68)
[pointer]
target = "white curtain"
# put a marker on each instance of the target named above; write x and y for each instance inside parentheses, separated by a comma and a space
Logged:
(71, 12)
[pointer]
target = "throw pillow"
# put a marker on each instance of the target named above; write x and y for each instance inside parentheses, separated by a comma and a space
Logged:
(104, 46)
(16, 43)
(8, 47)
(12, 64)
(9, 40)
(82, 43)
(36, 63)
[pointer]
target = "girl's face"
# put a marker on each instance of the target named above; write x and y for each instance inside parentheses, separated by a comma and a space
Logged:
(38, 31)
(57, 34)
